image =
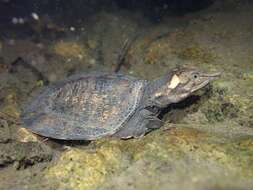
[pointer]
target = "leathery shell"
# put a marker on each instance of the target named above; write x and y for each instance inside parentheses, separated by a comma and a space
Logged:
(83, 107)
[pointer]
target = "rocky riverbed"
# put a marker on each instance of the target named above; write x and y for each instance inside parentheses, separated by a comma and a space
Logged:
(206, 141)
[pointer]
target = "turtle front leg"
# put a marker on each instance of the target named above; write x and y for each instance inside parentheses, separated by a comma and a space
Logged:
(140, 124)
(154, 122)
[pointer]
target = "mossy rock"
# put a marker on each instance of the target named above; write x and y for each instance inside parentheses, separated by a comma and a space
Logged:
(157, 157)
(23, 155)
(224, 104)
(197, 53)
(71, 49)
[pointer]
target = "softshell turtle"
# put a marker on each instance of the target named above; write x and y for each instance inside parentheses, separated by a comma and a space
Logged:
(91, 106)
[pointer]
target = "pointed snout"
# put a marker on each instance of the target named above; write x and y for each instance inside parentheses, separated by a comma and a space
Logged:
(212, 76)
(205, 80)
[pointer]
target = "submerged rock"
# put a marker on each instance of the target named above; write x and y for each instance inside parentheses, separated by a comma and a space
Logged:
(70, 49)
(23, 155)
(175, 158)
(85, 169)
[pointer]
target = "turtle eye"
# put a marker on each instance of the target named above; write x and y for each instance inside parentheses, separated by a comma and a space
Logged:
(195, 76)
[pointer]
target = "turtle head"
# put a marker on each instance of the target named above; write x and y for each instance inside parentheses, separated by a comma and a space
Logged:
(180, 84)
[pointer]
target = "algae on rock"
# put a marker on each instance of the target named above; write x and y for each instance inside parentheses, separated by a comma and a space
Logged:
(135, 163)
(70, 49)
(82, 169)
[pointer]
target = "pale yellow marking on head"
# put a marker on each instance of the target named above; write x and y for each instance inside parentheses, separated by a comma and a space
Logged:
(174, 82)
(158, 94)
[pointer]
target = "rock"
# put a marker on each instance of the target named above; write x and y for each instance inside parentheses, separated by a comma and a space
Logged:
(23, 155)
(5, 135)
(70, 49)
(176, 158)
(23, 135)
(80, 169)
(198, 54)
